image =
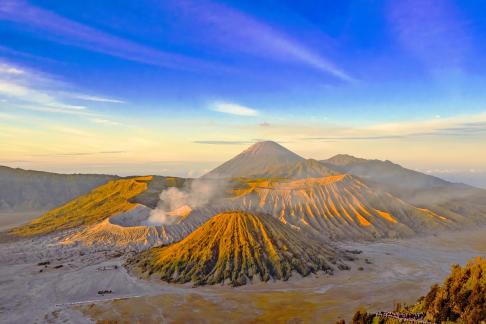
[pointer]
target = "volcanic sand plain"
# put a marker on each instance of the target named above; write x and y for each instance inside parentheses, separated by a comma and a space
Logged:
(392, 271)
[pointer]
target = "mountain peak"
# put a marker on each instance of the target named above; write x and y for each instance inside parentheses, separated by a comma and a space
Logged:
(343, 160)
(269, 147)
(256, 160)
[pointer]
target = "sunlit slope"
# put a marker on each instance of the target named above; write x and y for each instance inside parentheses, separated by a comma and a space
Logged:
(339, 206)
(117, 196)
(465, 204)
(128, 231)
(100, 203)
(233, 247)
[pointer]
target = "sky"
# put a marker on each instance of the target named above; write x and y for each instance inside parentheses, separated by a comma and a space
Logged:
(178, 86)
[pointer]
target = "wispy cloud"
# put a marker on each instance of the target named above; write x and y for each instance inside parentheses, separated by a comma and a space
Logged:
(105, 122)
(27, 98)
(62, 30)
(353, 138)
(27, 94)
(32, 90)
(93, 98)
(56, 110)
(7, 69)
(217, 142)
(233, 29)
(15, 161)
(430, 30)
(234, 109)
(71, 131)
(82, 153)
(7, 116)
(469, 125)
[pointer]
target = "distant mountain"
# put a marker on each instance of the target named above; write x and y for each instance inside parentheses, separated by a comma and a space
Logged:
(338, 207)
(259, 159)
(26, 190)
(234, 247)
(422, 190)
(393, 177)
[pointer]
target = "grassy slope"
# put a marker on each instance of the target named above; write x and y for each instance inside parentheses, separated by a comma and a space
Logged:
(100, 203)
(234, 246)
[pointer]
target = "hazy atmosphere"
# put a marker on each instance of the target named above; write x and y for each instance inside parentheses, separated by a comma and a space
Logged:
(226, 161)
(176, 87)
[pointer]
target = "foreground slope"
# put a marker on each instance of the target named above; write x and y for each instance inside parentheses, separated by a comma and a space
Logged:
(339, 207)
(234, 247)
(26, 190)
(460, 299)
(462, 296)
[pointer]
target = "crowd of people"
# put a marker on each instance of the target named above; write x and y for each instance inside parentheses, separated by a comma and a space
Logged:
(410, 317)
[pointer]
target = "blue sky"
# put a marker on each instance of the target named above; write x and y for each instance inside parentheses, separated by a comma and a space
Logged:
(168, 81)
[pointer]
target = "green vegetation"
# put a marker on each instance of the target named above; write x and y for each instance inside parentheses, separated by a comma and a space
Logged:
(462, 296)
(236, 246)
(460, 299)
(102, 202)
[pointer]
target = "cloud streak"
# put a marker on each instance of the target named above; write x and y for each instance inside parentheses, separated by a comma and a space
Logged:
(7, 69)
(353, 138)
(457, 126)
(94, 98)
(31, 90)
(105, 122)
(431, 31)
(83, 153)
(69, 32)
(42, 100)
(236, 30)
(234, 109)
(218, 142)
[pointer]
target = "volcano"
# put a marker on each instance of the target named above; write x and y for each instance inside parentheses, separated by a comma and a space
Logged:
(235, 247)
(259, 159)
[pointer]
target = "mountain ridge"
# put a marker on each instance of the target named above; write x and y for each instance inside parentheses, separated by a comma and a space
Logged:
(337, 207)
(30, 190)
(453, 200)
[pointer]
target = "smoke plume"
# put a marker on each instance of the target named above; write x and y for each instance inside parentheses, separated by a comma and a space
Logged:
(198, 194)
